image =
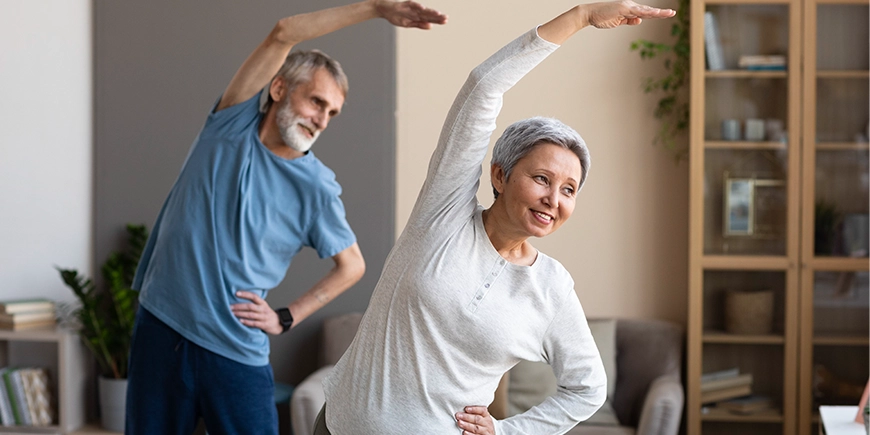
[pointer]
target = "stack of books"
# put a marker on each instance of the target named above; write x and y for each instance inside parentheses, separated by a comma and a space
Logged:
(746, 405)
(25, 399)
(26, 313)
(773, 63)
(724, 385)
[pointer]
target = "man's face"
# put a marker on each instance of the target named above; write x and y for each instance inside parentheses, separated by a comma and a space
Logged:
(306, 112)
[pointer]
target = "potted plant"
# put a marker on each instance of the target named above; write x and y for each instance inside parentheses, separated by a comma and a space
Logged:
(104, 317)
(672, 109)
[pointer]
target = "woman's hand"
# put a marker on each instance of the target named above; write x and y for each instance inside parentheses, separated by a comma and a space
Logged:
(257, 314)
(408, 14)
(475, 420)
(600, 15)
(625, 12)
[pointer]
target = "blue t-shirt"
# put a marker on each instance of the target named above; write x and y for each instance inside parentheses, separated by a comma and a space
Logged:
(233, 221)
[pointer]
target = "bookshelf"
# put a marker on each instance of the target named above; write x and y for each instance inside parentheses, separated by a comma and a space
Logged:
(773, 239)
(63, 354)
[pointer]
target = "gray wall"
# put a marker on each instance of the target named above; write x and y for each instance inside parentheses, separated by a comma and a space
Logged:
(161, 64)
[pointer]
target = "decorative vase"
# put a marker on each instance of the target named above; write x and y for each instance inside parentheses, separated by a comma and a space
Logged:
(113, 403)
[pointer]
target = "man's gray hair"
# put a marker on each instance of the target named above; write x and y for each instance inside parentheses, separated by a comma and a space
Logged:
(522, 136)
(299, 67)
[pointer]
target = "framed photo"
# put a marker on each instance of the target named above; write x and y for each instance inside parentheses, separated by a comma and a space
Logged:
(739, 207)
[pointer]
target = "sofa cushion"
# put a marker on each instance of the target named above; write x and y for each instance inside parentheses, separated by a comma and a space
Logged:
(532, 382)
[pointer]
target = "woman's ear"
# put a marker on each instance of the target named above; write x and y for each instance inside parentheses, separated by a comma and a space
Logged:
(496, 175)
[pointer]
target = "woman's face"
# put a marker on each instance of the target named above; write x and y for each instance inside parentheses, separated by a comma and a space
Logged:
(540, 194)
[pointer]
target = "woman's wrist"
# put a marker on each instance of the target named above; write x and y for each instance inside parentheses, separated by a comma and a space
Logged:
(580, 14)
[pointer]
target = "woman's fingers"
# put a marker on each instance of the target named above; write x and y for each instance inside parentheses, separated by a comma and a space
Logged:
(475, 420)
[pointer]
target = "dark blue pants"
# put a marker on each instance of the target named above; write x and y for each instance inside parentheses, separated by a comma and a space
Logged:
(172, 383)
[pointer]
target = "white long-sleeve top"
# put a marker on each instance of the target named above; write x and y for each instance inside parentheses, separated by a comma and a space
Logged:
(449, 316)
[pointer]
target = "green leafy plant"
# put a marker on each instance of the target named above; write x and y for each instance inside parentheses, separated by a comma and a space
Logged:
(672, 109)
(106, 315)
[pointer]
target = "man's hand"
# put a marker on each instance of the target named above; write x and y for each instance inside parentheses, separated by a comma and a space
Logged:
(257, 314)
(475, 420)
(408, 14)
(625, 12)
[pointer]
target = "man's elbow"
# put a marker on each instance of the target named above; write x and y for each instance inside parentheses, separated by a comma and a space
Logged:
(360, 269)
(283, 33)
(356, 267)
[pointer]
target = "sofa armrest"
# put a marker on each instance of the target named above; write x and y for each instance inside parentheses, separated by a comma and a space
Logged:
(662, 407)
(308, 398)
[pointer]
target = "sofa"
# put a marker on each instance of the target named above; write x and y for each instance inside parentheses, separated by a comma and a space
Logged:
(647, 397)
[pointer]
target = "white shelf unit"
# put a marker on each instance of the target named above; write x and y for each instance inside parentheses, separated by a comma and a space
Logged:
(68, 362)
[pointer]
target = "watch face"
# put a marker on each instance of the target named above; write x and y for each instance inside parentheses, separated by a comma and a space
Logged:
(285, 316)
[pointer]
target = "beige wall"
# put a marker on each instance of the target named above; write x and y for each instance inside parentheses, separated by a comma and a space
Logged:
(626, 244)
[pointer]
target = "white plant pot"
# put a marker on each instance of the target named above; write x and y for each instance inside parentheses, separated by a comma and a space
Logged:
(113, 403)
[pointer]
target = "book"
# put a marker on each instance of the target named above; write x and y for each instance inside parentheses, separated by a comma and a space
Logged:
(13, 398)
(721, 374)
(24, 409)
(21, 414)
(715, 56)
(38, 395)
(32, 316)
(26, 320)
(734, 381)
(29, 399)
(26, 305)
(756, 62)
(5, 411)
(746, 405)
(726, 393)
(5, 408)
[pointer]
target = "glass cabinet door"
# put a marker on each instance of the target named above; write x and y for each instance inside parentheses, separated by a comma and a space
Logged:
(748, 105)
(747, 135)
(834, 252)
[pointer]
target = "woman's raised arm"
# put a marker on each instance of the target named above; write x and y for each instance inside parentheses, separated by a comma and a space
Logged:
(599, 15)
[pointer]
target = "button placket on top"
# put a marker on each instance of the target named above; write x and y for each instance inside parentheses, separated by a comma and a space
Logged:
(488, 281)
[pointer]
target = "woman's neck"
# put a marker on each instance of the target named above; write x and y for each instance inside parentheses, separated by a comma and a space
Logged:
(513, 248)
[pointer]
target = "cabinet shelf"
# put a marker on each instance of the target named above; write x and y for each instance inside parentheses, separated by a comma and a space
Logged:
(746, 2)
(17, 430)
(711, 336)
(840, 264)
(744, 262)
(842, 146)
(745, 74)
(767, 416)
(843, 74)
(840, 340)
(744, 145)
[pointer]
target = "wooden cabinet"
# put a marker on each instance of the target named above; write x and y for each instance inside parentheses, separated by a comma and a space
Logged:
(68, 363)
(778, 206)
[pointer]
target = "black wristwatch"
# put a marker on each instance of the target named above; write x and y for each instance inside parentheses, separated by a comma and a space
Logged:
(285, 318)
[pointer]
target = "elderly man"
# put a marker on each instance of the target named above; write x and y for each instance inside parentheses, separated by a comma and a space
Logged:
(250, 195)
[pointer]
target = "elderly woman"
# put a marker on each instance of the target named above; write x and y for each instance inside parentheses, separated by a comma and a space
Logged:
(464, 296)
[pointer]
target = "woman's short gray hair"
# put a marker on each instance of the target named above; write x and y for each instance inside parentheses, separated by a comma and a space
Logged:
(522, 136)
(299, 67)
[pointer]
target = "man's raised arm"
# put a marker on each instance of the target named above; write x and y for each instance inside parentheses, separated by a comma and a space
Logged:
(262, 65)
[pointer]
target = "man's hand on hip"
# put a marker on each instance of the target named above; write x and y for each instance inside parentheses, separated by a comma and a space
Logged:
(257, 313)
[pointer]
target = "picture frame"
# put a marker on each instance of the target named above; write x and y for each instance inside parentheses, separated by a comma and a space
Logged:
(739, 213)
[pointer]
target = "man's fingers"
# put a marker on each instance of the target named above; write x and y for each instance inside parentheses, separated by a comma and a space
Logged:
(250, 296)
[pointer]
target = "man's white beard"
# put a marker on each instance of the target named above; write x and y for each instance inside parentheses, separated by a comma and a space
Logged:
(289, 127)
